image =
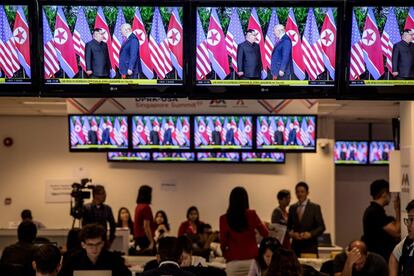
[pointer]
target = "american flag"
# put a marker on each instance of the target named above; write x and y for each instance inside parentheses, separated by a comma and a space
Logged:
(50, 56)
(178, 132)
(234, 37)
(271, 39)
(117, 38)
(312, 47)
(118, 136)
(390, 36)
(158, 44)
(81, 36)
(357, 66)
(203, 65)
(85, 127)
(73, 137)
(241, 133)
(9, 60)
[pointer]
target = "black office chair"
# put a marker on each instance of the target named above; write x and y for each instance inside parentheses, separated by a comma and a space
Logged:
(13, 269)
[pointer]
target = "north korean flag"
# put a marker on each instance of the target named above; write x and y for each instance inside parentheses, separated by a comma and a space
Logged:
(175, 42)
(297, 55)
(216, 45)
(371, 46)
(409, 21)
(64, 45)
(139, 30)
(21, 37)
(254, 24)
(328, 39)
(100, 23)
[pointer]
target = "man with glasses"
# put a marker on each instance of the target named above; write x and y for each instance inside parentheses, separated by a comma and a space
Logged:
(402, 258)
(94, 255)
(403, 57)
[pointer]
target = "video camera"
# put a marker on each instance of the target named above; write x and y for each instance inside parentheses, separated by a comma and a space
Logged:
(78, 195)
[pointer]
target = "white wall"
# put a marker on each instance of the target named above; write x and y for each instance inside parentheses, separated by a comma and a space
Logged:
(40, 153)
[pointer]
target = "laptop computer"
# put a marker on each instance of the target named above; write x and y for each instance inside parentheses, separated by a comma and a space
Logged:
(324, 240)
(92, 273)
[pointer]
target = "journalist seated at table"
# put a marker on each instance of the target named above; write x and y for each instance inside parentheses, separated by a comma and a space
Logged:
(94, 255)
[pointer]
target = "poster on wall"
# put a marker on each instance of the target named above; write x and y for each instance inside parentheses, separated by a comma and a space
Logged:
(58, 190)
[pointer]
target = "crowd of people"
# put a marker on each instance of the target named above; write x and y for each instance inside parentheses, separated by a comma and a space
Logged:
(378, 252)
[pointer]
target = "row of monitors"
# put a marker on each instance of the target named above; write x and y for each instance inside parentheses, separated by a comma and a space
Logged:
(195, 132)
(201, 49)
(363, 152)
(201, 157)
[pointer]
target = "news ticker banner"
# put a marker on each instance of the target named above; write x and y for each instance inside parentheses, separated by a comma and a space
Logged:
(382, 82)
(185, 106)
(114, 81)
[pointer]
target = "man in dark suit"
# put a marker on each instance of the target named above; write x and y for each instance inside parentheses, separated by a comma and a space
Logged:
(106, 139)
(281, 61)
(129, 58)
(292, 135)
(168, 256)
(403, 57)
(93, 135)
(97, 59)
(168, 134)
(249, 58)
(154, 135)
(305, 222)
(279, 134)
(216, 135)
(229, 135)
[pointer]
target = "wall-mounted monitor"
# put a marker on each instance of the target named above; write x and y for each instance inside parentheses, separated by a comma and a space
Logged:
(286, 132)
(173, 157)
(223, 132)
(263, 157)
(225, 157)
(378, 57)
(128, 156)
(98, 132)
(169, 132)
(351, 153)
(379, 152)
(17, 44)
(113, 49)
(266, 48)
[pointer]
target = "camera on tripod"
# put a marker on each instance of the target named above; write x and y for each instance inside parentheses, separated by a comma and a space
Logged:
(79, 194)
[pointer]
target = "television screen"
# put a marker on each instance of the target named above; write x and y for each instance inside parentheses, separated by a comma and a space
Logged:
(98, 132)
(351, 152)
(379, 48)
(286, 132)
(161, 132)
(223, 132)
(173, 156)
(113, 45)
(218, 157)
(15, 45)
(263, 157)
(129, 156)
(379, 152)
(266, 45)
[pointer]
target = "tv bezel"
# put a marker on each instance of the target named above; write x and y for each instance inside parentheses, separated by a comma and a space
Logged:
(353, 164)
(26, 89)
(263, 92)
(369, 147)
(262, 162)
(191, 146)
(97, 149)
(283, 149)
(368, 92)
(110, 90)
(193, 117)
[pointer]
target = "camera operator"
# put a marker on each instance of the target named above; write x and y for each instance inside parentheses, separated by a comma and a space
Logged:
(98, 212)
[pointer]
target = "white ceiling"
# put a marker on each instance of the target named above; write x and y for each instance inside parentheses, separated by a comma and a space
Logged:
(340, 110)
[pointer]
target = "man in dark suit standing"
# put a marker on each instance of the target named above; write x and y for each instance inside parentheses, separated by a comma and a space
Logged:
(154, 135)
(279, 134)
(106, 134)
(93, 135)
(305, 222)
(168, 256)
(129, 58)
(249, 58)
(168, 134)
(97, 59)
(403, 57)
(229, 135)
(292, 140)
(281, 61)
(216, 135)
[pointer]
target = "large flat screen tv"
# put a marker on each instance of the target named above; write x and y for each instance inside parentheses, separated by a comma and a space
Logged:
(112, 49)
(379, 36)
(98, 132)
(225, 157)
(173, 157)
(128, 156)
(17, 67)
(286, 132)
(219, 132)
(379, 152)
(271, 48)
(263, 157)
(167, 132)
(351, 152)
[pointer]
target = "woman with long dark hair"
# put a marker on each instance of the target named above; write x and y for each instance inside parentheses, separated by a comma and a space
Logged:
(162, 225)
(125, 220)
(237, 233)
(268, 247)
(189, 227)
(144, 225)
(284, 263)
